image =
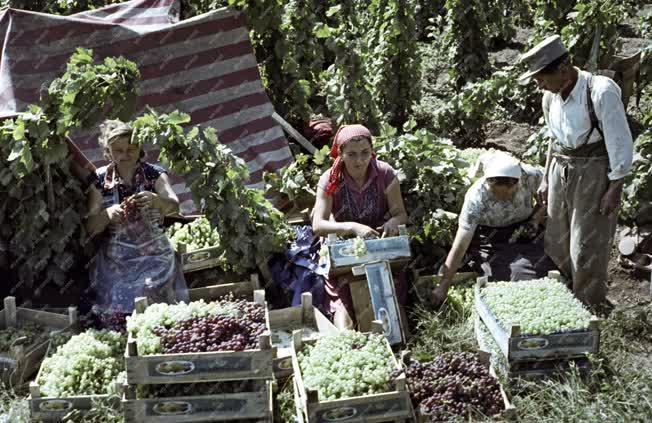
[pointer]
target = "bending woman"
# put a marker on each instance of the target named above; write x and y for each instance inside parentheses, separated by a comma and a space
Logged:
(499, 224)
(361, 196)
(126, 205)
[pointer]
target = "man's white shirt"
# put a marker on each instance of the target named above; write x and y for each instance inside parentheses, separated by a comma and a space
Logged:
(569, 122)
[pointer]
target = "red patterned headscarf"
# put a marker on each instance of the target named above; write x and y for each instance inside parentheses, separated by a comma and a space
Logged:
(345, 134)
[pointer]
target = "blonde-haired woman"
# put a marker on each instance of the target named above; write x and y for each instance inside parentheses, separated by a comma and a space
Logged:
(126, 204)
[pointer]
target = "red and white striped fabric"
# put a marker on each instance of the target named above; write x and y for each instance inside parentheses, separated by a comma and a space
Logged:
(203, 66)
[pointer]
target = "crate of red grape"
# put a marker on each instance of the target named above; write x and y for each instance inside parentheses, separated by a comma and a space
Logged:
(455, 386)
(198, 245)
(283, 322)
(78, 374)
(25, 336)
(349, 377)
(220, 340)
(199, 402)
(536, 319)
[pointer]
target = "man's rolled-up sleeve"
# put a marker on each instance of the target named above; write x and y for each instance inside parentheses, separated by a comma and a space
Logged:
(618, 138)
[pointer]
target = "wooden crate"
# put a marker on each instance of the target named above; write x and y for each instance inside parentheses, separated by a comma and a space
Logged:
(518, 347)
(251, 406)
(393, 249)
(213, 276)
(22, 361)
(204, 258)
(244, 289)
(284, 322)
(200, 367)
(509, 413)
(54, 409)
(390, 406)
(526, 370)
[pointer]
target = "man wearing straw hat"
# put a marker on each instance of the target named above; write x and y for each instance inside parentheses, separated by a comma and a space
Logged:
(588, 158)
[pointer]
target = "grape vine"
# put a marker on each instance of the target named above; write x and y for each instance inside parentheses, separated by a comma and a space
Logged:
(40, 216)
(250, 227)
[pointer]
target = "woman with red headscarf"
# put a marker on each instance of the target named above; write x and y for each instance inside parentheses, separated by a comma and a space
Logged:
(360, 196)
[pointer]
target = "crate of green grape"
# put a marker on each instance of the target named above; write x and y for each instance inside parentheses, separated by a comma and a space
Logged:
(24, 338)
(283, 322)
(78, 375)
(517, 371)
(249, 400)
(220, 340)
(197, 243)
(453, 386)
(536, 319)
(346, 254)
(349, 377)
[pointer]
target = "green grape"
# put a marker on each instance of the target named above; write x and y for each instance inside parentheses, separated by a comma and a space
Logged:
(348, 364)
(87, 364)
(540, 306)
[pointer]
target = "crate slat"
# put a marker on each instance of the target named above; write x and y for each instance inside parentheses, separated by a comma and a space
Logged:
(202, 408)
(55, 409)
(518, 347)
(528, 370)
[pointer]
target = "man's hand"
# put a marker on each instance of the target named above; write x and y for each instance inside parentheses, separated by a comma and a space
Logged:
(542, 192)
(610, 202)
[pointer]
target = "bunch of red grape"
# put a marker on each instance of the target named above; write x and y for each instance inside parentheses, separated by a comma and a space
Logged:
(215, 332)
(453, 385)
(131, 209)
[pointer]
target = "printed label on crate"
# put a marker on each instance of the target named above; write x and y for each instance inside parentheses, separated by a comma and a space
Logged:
(184, 367)
(197, 406)
(363, 411)
(209, 406)
(55, 405)
(533, 344)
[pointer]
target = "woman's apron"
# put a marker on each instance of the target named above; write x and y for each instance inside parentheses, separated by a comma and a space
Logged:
(137, 260)
(492, 254)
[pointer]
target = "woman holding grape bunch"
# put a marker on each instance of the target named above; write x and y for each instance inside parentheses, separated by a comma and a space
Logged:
(500, 209)
(126, 204)
(360, 196)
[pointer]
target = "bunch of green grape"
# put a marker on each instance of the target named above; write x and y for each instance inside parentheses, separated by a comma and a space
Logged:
(359, 248)
(346, 365)
(196, 235)
(87, 364)
(539, 306)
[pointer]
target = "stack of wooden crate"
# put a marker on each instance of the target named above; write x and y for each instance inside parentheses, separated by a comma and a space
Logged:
(251, 368)
(534, 357)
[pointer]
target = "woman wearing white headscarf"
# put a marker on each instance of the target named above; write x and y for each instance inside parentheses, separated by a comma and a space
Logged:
(500, 210)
